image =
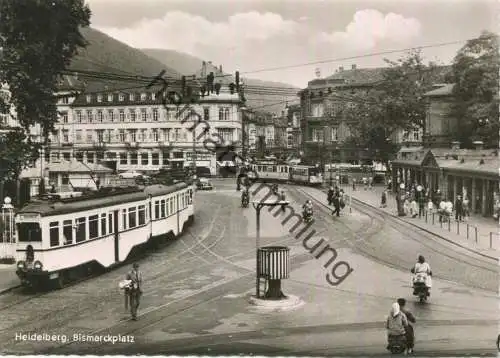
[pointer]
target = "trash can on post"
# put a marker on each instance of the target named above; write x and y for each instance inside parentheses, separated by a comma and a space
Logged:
(273, 266)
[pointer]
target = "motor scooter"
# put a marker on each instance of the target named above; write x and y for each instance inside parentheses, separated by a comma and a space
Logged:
(397, 344)
(307, 215)
(420, 288)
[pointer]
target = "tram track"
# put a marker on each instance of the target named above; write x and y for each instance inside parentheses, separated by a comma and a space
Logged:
(485, 274)
(205, 246)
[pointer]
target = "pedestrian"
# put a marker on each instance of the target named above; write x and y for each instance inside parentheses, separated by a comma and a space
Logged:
(353, 184)
(421, 201)
(465, 207)
(336, 203)
(409, 331)
(458, 208)
(383, 202)
(135, 290)
(283, 198)
(430, 206)
(442, 210)
(330, 195)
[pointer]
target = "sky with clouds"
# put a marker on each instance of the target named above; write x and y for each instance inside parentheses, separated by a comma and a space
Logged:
(255, 35)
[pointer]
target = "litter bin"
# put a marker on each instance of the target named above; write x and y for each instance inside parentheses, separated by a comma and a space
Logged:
(274, 266)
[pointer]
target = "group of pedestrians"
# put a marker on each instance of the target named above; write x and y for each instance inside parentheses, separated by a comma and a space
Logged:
(415, 200)
(335, 197)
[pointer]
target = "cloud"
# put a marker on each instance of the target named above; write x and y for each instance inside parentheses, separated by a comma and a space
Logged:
(186, 32)
(370, 27)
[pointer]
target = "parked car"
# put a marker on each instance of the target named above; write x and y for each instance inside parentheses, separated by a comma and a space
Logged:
(204, 184)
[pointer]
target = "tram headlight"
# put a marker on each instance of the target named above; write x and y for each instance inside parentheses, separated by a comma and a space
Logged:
(37, 265)
(21, 265)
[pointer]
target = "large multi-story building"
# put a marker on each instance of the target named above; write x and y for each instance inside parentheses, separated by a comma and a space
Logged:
(138, 130)
(324, 129)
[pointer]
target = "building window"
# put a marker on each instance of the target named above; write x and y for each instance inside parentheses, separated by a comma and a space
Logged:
(65, 135)
(64, 117)
(111, 115)
(153, 96)
(90, 136)
(122, 136)
(99, 116)
(122, 115)
(133, 135)
(221, 114)
(78, 135)
(90, 157)
(79, 156)
(110, 223)
(166, 157)
(99, 98)
(416, 135)
(110, 97)
(155, 114)
(144, 114)
(54, 233)
(226, 134)
(124, 219)
(132, 115)
(143, 96)
(206, 113)
(177, 134)
(317, 110)
(144, 158)
(226, 114)
(100, 135)
(79, 116)
(121, 97)
(155, 157)
(335, 134)
(123, 159)
(131, 97)
(90, 116)
(317, 135)
(133, 158)
(89, 98)
(155, 135)
(166, 134)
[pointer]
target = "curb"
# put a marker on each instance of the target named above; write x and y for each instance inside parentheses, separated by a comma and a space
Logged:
(428, 231)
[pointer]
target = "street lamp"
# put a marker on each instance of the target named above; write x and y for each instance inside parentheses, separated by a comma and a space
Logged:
(275, 285)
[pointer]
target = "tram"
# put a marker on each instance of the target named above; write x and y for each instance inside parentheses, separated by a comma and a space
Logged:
(269, 171)
(62, 238)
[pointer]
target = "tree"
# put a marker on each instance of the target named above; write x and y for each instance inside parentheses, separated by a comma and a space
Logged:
(18, 152)
(475, 74)
(38, 40)
(394, 103)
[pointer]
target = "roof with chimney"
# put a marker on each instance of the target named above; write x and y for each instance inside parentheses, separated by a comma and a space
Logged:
(220, 76)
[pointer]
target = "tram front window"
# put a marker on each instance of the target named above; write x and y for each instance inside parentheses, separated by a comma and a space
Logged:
(29, 232)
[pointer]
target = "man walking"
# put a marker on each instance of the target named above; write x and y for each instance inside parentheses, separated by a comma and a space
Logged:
(458, 208)
(134, 291)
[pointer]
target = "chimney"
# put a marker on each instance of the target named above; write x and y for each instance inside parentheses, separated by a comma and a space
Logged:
(478, 144)
(354, 66)
(341, 69)
(455, 145)
(220, 69)
(203, 69)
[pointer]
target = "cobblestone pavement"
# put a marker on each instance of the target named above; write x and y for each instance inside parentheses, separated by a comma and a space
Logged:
(197, 291)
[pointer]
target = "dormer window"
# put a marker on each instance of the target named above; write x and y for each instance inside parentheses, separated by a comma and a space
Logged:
(99, 98)
(121, 97)
(131, 97)
(89, 98)
(110, 97)
(143, 96)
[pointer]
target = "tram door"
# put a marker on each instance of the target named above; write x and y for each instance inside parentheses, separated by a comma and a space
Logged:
(116, 236)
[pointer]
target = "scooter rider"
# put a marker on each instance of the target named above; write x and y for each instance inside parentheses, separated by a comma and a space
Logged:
(245, 195)
(423, 267)
(396, 324)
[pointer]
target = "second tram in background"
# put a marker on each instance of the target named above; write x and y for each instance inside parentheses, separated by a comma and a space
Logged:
(297, 174)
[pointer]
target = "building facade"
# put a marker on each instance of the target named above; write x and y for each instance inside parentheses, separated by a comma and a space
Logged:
(136, 129)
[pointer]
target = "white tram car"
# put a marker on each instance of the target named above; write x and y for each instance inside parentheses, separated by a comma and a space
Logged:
(296, 174)
(60, 239)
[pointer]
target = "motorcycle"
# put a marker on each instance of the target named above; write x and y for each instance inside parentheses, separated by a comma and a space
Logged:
(307, 215)
(397, 344)
(244, 201)
(420, 288)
